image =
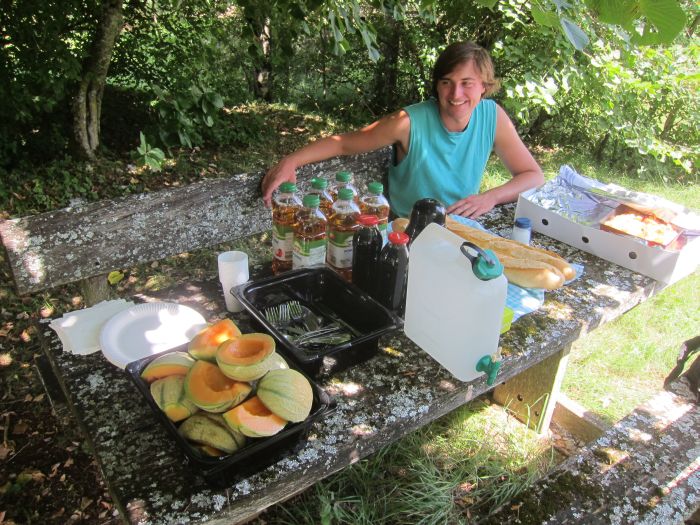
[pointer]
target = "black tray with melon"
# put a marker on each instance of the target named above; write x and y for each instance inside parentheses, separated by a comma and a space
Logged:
(230, 401)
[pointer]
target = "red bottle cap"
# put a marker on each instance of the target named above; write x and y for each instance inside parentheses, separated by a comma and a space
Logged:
(398, 238)
(368, 220)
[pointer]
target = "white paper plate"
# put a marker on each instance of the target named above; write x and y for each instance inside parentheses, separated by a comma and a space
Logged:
(147, 329)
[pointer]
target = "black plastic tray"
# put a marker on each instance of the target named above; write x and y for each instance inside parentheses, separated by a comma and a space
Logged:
(328, 295)
(256, 454)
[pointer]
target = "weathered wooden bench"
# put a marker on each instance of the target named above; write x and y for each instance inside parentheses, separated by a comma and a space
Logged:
(84, 243)
(645, 469)
(399, 391)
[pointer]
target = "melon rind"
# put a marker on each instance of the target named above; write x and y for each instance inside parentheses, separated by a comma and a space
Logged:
(250, 372)
(169, 395)
(211, 430)
(287, 393)
(174, 363)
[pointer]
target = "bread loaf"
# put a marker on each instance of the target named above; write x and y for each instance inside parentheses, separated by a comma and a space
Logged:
(399, 224)
(525, 266)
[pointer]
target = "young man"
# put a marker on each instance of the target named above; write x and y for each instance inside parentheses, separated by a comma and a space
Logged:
(442, 145)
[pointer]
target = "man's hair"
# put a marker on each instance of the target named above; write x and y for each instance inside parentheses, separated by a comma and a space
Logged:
(457, 54)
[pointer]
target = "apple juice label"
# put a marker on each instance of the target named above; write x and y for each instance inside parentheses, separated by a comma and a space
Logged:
(282, 242)
(340, 248)
(308, 252)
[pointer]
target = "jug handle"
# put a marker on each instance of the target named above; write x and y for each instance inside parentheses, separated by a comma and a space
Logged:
(479, 251)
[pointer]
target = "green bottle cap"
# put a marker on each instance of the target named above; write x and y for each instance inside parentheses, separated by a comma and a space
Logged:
(319, 183)
(343, 176)
(311, 201)
(288, 187)
(376, 188)
(486, 269)
(346, 194)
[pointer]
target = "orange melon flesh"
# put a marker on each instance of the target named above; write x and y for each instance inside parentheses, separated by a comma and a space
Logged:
(246, 350)
(253, 419)
(208, 388)
(172, 364)
(207, 341)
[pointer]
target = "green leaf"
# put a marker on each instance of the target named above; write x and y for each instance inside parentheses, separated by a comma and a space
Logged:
(666, 16)
(157, 154)
(208, 120)
(114, 277)
(487, 3)
(576, 36)
(617, 12)
(544, 18)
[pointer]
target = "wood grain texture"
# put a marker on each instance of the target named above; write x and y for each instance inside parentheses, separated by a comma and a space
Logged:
(72, 244)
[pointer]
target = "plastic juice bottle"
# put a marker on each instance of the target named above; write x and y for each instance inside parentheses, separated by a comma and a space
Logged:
(309, 234)
(285, 206)
(375, 203)
(366, 247)
(392, 273)
(341, 229)
(319, 186)
(343, 179)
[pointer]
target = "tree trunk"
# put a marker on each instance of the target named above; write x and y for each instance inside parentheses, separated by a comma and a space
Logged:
(386, 69)
(87, 104)
(262, 85)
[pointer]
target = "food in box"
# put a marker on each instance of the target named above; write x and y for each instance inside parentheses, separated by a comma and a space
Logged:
(654, 231)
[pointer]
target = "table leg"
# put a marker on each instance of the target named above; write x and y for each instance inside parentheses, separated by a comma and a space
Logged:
(532, 395)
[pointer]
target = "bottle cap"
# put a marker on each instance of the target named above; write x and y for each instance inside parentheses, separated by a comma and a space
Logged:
(319, 184)
(311, 201)
(398, 238)
(343, 176)
(346, 194)
(377, 188)
(288, 187)
(368, 220)
(523, 222)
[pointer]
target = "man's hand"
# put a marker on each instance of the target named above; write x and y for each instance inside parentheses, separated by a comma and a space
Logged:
(473, 206)
(284, 171)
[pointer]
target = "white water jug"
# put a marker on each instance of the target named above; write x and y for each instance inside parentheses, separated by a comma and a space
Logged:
(454, 301)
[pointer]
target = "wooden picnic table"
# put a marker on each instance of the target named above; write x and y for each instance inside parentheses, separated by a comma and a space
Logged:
(378, 402)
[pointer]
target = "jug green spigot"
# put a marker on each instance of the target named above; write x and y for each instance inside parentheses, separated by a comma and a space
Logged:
(490, 365)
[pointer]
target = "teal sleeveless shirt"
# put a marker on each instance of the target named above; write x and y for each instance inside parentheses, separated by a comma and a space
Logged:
(441, 164)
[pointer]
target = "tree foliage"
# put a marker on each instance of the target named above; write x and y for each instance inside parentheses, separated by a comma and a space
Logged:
(574, 71)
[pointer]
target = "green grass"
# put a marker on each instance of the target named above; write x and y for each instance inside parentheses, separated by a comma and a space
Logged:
(465, 463)
(620, 365)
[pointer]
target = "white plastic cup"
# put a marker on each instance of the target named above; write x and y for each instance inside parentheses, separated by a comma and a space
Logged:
(233, 270)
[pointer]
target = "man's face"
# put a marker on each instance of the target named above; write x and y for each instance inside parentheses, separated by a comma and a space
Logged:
(460, 91)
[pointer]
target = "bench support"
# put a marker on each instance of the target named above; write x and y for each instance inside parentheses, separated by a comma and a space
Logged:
(95, 289)
(532, 395)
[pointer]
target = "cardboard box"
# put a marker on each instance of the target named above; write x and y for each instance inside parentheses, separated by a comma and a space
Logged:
(663, 265)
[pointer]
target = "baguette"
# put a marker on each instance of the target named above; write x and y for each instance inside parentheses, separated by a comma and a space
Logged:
(524, 265)
(520, 250)
(531, 274)
(399, 224)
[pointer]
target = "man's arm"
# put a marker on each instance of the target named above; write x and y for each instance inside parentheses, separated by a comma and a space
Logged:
(517, 159)
(391, 129)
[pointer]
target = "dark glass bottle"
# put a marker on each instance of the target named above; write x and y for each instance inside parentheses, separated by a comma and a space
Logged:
(392, 273)
(423, 213)
(366, 247)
